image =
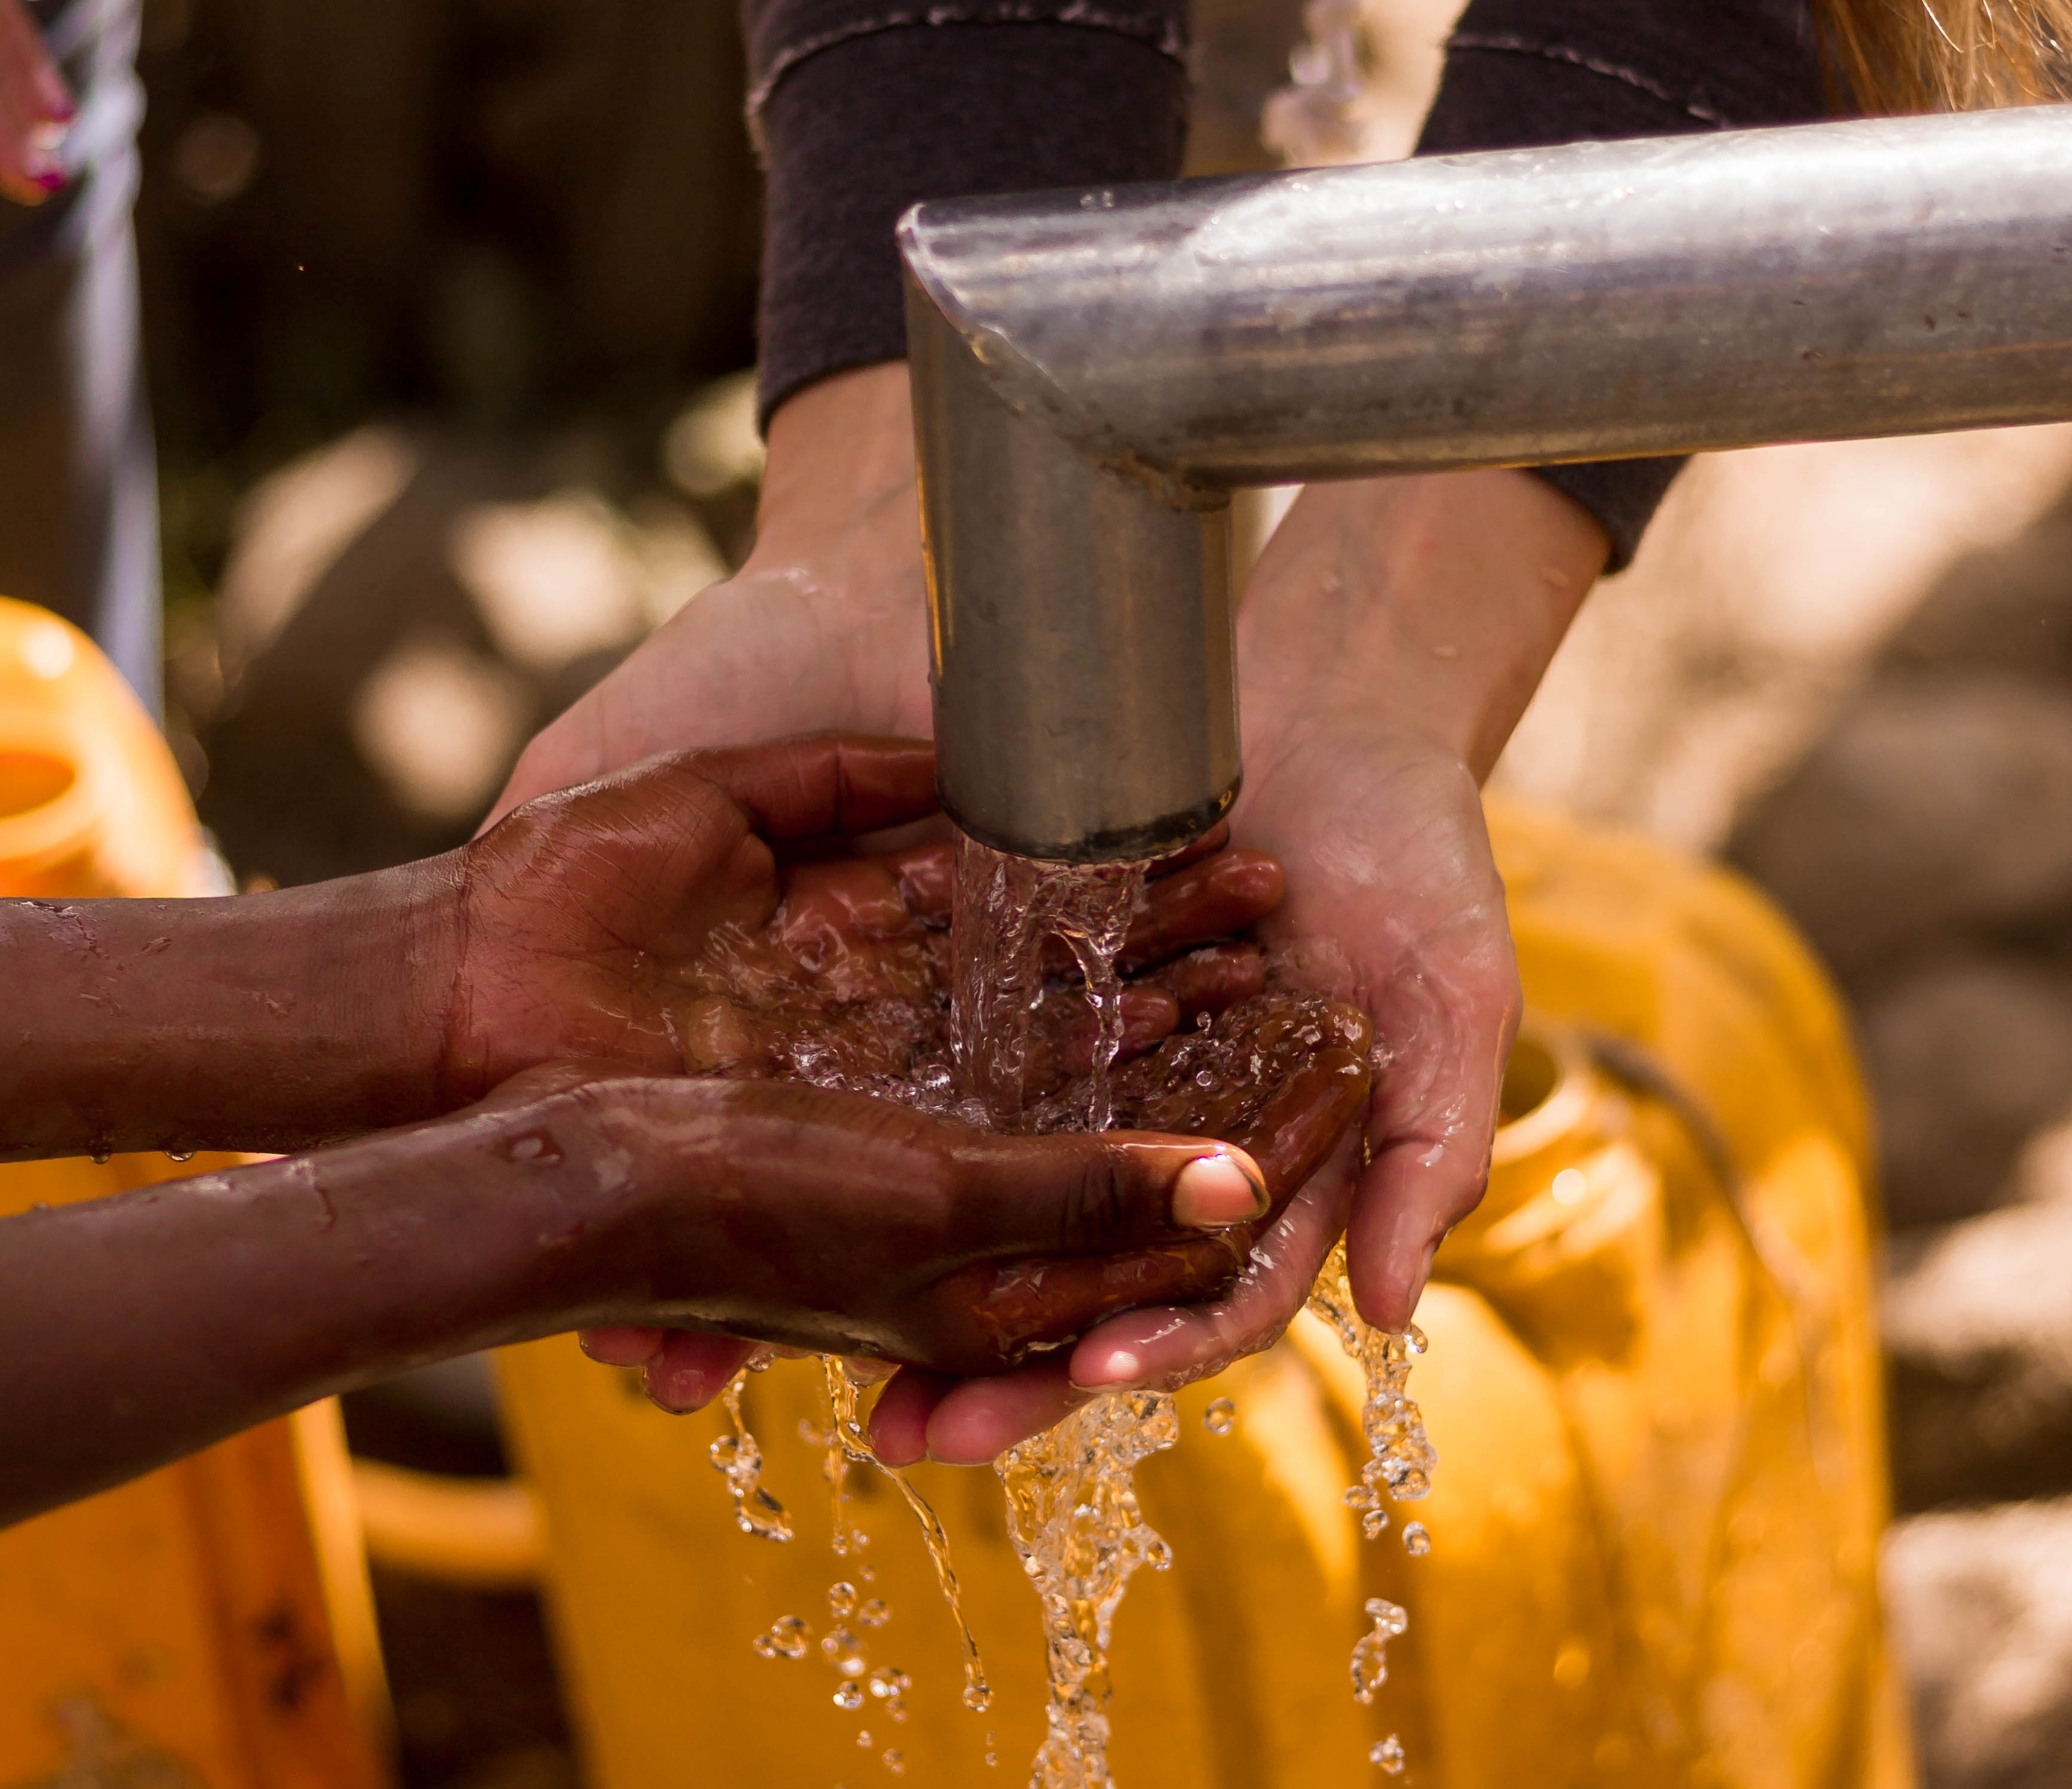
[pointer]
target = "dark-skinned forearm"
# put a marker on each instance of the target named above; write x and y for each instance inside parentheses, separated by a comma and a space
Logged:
(264, 1022)
(136, 1329)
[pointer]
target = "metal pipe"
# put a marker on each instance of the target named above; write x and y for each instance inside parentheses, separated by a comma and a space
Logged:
(1093, 372)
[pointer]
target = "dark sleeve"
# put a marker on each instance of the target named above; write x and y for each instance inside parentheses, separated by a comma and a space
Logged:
(1521, 73)
(865, 107)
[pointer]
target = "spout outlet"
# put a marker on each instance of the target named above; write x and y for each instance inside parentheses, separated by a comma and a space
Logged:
(1093, 371)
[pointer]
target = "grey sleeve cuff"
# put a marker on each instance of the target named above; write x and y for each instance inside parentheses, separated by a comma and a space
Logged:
(1523, 73)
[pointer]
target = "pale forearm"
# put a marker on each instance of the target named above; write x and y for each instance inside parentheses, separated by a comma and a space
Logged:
(1430, 606)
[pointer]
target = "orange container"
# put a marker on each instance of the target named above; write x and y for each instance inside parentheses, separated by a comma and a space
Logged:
(209, 1625)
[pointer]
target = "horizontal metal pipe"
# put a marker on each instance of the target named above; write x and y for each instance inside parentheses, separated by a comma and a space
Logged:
(1093, 372)
(1595, 300)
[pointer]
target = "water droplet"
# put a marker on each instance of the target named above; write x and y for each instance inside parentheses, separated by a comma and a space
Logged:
(536, 1147)
(842, 1650)
(1220, 1417)
(739, 1458)
(841, 1600)
(874, 1613)
(850, 1696)
(1415, 1542)
(863, 1736)
(1388, 1754)
(978, 1698)
(895, 1762)
(788, 1638)
(1569, 1186)
(102, 1157)
(1370, 1665)
(890, 1681)
(179, 1154)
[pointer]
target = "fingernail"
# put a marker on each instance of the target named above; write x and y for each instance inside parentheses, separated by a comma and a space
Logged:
(1214, 1191)
(1119, 1367)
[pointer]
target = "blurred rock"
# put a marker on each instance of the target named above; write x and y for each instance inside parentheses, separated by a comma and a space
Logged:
(2008, 607)
(1978, 1326)
(1967, 1057)
(1765, 594)
(401, 611)
(1981, 1609)
(1935, 804)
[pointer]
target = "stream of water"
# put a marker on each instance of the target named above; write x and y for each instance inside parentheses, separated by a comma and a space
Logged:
(1073, 1515)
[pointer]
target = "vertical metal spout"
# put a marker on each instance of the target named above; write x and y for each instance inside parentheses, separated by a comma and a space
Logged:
(1093, 371)
(1081, 624)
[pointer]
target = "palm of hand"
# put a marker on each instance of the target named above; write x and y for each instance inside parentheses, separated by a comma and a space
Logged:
(582, 911)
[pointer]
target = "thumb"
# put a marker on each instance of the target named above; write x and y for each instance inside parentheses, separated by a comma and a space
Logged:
(1075, 1194)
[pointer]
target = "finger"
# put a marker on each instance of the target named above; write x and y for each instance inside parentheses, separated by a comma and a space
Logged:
(899, 1419)
(1311, 1110)
(825, 782)
(1077, 1194)
(1213, 978)
(691, 1369)
(827, 903)
(1041, 1303)
(1166, 1348)
(1218, 898)
(1449, 1031)
(29, 172)
(29, 67)
(977, 1420)
(1150, 1017)
(622, 1347)
(35, 103)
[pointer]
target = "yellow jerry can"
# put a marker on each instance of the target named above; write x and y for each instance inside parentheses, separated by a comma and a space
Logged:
(1649, 1556)
(207, 1626)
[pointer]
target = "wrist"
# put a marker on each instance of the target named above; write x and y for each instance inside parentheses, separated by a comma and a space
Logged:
(1424, 608)
(840, 457)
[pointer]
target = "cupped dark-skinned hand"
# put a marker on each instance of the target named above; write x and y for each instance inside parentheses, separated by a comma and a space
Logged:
(849, 968)
(576, 1193)
(1286, 1079)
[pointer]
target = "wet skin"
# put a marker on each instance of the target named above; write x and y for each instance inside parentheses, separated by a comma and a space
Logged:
(136, 1329)
(848, 979)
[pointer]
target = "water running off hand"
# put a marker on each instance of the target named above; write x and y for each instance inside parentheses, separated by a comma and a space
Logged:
(973, 1055)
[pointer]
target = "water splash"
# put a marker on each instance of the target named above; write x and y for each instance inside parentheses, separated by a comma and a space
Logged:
(1370, 1666)
(1400, 1463)
(1073, 1516)
(788, 1638)
(738, 1458)
(1401, 1456)
(1005, 909)
(846, 1423)
(1220, 1417)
